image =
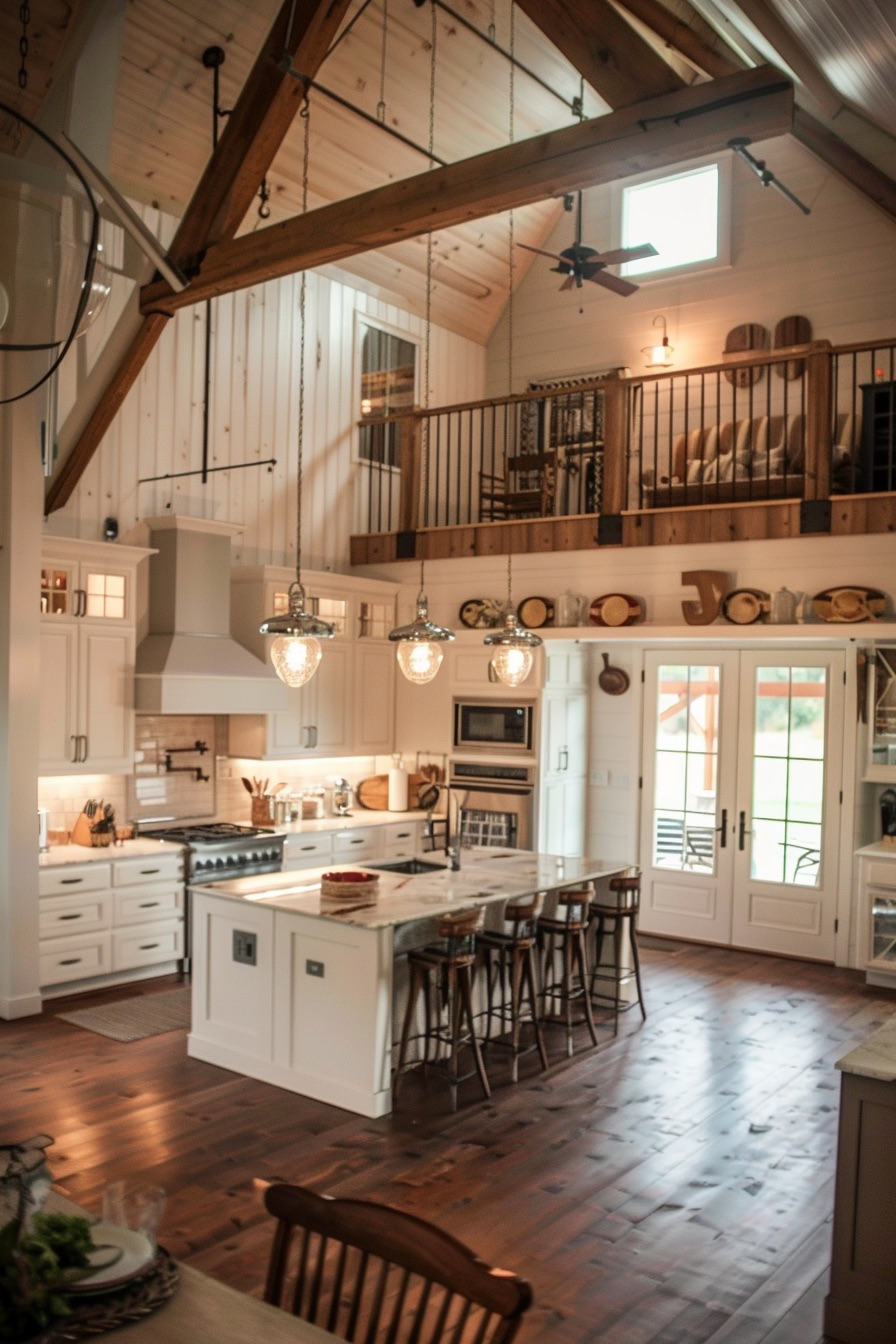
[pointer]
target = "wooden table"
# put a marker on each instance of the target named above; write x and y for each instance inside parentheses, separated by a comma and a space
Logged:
(202, 1309)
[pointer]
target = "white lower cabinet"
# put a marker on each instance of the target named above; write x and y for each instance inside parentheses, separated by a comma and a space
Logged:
(300, 1002)
(358, 845)
(307, 850)
(402, 839)
(104, 918)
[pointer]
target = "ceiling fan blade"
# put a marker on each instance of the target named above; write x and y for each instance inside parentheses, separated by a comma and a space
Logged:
(620, 254)
(623, 287)
(567, 283)
(128, 218)
(539, 253)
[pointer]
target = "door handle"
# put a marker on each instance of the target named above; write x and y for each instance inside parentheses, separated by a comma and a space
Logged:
(83, 757)
(722, 830)
(742, 830)
(76, 748)
(564, 758)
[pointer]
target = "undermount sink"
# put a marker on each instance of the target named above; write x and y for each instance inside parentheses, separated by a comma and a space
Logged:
(407, 866)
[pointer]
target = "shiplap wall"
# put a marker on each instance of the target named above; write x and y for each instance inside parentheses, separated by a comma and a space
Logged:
(254, 415)
(836, 266)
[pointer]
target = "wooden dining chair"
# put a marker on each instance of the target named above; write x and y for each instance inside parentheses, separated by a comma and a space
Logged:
(370, 1273)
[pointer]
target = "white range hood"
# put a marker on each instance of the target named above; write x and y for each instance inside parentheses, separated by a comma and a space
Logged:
(188, 662)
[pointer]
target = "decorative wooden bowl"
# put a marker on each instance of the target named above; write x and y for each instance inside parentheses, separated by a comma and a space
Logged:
(349, 886)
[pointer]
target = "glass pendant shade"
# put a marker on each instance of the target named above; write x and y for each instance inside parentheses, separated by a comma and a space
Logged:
(514, 650)
(419, 660)
(420, 644)
(295, 649)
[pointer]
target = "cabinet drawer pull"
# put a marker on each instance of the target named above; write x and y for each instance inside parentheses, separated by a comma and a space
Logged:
(148, 947)
(70, 881)
(79, 915)
(148, 872)
(70, 961)
(357, 842)
(149, 905)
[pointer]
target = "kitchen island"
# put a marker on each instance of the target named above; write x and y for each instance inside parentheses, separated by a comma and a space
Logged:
(298, 990)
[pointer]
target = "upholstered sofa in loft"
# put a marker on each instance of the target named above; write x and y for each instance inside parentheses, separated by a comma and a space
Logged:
(762, 457)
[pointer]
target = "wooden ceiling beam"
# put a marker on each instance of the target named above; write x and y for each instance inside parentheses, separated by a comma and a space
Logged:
(874, 185)
(606, 50)
(255, 129)
(662, 131)
(716, 60)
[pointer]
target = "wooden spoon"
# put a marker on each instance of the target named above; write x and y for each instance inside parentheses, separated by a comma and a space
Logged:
(247, 784)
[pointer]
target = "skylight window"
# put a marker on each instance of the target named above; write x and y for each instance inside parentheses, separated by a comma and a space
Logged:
(681, 214)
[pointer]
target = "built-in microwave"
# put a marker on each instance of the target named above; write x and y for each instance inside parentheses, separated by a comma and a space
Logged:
(494, 725)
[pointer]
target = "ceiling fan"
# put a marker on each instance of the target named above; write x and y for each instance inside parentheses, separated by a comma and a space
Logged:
(580, 263)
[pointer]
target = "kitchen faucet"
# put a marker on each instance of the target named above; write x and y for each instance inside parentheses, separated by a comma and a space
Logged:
(428, 798)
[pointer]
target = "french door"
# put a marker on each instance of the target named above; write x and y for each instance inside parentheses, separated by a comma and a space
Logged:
(740, 798)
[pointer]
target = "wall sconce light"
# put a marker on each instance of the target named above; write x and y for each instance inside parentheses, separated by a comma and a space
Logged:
(659, 356)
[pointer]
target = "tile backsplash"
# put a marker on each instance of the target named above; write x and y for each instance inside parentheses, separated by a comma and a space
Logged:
(174, 766)
(65, 795)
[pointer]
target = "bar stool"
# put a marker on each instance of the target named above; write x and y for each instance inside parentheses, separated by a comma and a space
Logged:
(614, 916)
(508, 956)
(442, 974)
(561, 937)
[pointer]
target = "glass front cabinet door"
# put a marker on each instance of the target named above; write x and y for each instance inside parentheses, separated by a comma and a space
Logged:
(880, 667)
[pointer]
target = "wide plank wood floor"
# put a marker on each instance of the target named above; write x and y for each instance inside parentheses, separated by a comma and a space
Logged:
(673, 1186)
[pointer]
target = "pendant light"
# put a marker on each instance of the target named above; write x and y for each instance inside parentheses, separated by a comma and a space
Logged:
(420, 643)
(295, 650)
(514, 647)
(659, 356)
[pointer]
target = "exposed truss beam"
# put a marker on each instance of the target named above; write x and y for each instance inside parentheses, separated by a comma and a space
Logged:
(874, 185)
(605, 49)
(254, 132)
(716, 59)
(698, 120)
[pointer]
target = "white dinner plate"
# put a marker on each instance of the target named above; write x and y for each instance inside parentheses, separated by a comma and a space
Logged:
(137, 1254)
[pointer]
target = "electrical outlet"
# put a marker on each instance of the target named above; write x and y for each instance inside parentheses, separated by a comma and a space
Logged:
(245, 947)
(600, 778)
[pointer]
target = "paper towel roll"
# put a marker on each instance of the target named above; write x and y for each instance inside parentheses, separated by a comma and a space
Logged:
(398, 789)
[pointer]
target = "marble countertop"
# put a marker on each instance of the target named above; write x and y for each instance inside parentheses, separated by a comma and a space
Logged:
(360, 819)
(486, 876)
(877, 850)
(57, 855)
(875, 1057)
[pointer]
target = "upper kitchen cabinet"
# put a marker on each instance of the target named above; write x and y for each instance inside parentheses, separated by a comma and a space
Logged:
(88, 622)
(880, 764)
(346, 709)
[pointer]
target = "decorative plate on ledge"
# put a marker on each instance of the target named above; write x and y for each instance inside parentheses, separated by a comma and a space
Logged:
(849, 604)
(615, 609)
(745, 606)
(534, 612)
(481, 613)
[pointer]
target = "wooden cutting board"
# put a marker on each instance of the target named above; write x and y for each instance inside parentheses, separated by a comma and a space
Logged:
(792, 331)
(373, 792)
(748, 336)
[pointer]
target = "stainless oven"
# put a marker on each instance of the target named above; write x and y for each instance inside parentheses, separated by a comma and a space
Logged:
(495, 803)
(496, 726)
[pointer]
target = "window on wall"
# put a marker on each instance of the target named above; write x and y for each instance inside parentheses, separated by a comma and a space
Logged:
(684, 215)
(388, 365)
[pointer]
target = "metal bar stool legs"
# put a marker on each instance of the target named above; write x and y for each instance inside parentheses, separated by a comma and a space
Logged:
(508, 957)
(561, 937)
(442, 974)
(617, 916)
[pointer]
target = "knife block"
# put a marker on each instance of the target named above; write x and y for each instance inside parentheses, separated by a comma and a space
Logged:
(83, 834)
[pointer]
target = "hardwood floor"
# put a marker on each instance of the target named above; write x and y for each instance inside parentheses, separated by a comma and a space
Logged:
(672, 1186)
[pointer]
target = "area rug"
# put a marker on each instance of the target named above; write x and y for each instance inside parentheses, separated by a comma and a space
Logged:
(133, 1019)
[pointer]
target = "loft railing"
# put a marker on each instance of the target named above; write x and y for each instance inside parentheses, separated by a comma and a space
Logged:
(802, 424)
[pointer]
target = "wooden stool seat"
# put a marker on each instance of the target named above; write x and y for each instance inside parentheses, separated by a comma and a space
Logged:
(508, 956)
(613, 917)
(561, 936)
(442, 974)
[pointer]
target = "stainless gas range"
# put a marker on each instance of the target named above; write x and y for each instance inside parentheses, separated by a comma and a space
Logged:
(216, 850)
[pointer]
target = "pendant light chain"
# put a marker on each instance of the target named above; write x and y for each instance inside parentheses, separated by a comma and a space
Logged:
(305, 114)
(25, 17)
(511, 260)
(381, 105)
(427, 320)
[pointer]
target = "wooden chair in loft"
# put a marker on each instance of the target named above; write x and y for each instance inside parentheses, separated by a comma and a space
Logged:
(373, 1274)
(526, 490)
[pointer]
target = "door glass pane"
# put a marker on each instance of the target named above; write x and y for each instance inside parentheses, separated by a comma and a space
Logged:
(788, 775)
(687, 746)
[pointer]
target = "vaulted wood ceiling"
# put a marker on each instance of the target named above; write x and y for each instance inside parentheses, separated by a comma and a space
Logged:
(372, 62)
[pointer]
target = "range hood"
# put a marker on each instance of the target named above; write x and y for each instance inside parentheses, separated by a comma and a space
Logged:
(188, 663)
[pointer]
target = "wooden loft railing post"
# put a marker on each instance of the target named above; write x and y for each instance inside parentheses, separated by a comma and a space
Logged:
(409, 438)
(819, 409)
(613, 494)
